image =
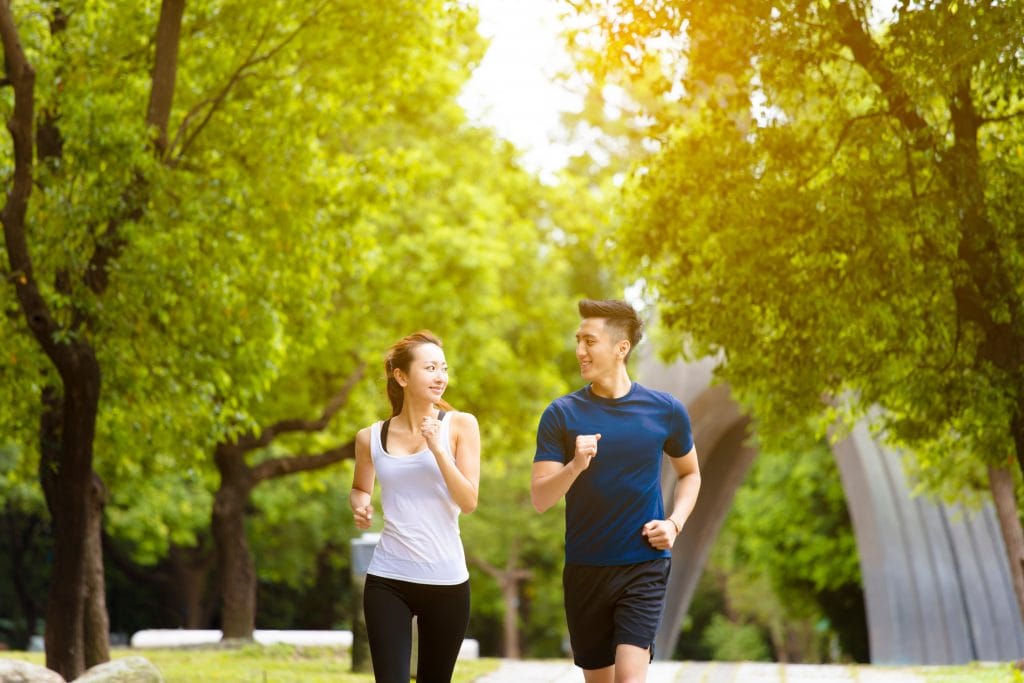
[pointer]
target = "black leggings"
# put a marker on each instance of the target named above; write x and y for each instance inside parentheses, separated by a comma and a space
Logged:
(442, 616)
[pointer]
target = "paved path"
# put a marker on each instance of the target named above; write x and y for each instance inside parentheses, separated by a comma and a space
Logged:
(709, 672)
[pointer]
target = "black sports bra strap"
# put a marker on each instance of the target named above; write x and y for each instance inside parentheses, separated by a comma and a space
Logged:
(387, 423)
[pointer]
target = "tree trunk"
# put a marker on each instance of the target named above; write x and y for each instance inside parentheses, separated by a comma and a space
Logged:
(68, 422)
(165, 70)
(237, 569)
(190, 576)
(1017, 430)
(508, 580)
(777, 634)
(96, 627)
(1000, 480)
(66, 437)
(510, 626)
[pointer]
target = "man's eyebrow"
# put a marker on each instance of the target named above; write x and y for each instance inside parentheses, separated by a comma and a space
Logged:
(587, 335)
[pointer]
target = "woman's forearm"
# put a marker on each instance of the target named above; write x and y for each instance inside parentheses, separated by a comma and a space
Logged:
(460, 488)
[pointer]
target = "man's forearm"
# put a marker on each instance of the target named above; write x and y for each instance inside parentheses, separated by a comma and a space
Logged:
(685, 498)
(547, 490)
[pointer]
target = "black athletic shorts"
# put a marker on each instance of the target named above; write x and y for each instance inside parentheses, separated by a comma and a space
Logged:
(610, 606)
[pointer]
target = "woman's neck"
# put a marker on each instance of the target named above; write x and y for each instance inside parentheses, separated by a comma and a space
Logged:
(413, 412)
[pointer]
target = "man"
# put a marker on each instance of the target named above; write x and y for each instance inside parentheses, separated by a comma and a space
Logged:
(601, 447)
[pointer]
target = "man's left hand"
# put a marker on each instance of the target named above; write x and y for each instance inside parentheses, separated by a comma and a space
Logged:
(660, 533)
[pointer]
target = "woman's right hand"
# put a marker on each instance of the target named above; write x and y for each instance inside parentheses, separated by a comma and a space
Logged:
(363, 516)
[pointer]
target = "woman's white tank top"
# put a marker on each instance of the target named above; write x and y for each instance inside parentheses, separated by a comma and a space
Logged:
(420, 541)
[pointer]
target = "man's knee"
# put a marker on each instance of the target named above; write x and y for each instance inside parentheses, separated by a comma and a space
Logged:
(604, 675)
(631, 663)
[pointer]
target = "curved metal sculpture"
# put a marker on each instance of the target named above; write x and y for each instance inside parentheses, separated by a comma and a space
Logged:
(936, 584)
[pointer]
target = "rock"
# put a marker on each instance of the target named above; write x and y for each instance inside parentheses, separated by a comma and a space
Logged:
(14, 671)
(126, 670)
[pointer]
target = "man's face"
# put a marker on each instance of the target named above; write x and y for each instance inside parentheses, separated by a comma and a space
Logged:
(598, 354)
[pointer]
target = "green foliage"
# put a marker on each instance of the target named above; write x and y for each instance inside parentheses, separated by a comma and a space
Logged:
(250, 233)
(731, 642)
(828, 206)
(787, 556)
(25, 551)
(296, 518)
(17, 492)
(708, 601)
(790, 521)
(321, 195)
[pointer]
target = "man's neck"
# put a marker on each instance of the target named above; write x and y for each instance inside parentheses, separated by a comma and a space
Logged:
(615, 386)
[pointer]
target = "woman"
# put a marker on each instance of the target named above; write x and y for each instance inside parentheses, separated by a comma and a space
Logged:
(427, 457)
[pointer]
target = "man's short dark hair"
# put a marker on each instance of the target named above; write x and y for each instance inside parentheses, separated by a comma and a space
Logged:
(621, 319)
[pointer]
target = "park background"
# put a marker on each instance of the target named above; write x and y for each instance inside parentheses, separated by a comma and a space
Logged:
(219, 214)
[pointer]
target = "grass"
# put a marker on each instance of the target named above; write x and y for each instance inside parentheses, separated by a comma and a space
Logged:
(977, 672)
(261, 664)
(291, 664)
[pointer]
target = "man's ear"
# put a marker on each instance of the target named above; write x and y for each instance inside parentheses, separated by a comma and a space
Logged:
(623, 348)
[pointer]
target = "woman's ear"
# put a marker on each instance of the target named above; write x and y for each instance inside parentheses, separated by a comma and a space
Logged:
(400, 377)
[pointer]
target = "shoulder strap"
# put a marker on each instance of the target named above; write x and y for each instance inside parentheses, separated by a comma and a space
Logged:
(384, 433)
(387, 423)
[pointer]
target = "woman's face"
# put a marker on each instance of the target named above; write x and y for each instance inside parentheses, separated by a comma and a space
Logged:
(427, 377)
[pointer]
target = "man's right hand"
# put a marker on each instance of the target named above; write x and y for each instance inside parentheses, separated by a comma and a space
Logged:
(586, 450)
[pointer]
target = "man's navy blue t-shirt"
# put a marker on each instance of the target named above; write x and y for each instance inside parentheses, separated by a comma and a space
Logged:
(608, 504)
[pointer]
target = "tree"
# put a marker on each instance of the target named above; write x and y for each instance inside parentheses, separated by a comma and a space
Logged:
(239, 205)
(169, 177)
(76, 634)
(315, 294)
(831, 207)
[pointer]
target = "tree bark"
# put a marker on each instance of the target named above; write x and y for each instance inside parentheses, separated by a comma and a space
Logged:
(508, 578)
(66, 436)
(190, 577)
(165, 71)
(96, 623)
(510, 620)
(234, 559)
(1017, 430)
(1000, 480)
